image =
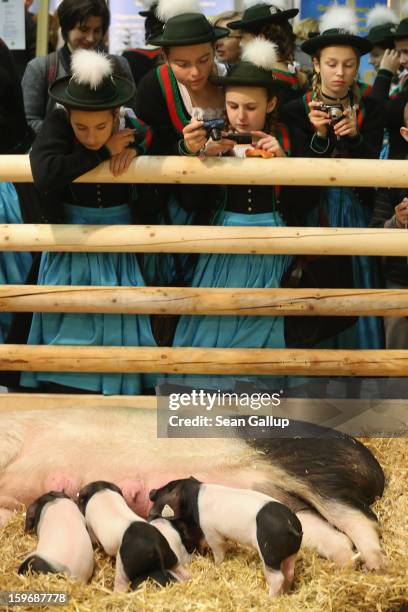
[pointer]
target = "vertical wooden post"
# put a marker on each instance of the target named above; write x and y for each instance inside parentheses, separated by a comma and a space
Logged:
(42, 28)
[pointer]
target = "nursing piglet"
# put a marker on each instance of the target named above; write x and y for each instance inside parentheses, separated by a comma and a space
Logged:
(64, 545)
(247, 517)
(141, 550)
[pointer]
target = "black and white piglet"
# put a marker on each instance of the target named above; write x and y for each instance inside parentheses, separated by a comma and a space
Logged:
(247, 517)
(141, 549)
(64, 545)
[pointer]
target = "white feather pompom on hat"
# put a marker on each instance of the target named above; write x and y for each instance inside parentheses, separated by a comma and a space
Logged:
(166, 9)
(280, 4)
(340, 18)
(380, 15)
(90, 67)
(261, 53)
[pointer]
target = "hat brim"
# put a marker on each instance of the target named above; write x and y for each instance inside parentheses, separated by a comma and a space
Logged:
(275, 18)
(385, 42)
(162, 41)
(332, 40)
(399, 36)
(125, 91)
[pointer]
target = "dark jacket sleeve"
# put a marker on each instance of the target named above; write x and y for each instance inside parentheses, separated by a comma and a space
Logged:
(381, 86)
(368, 142)
(151, 108)
(57, 158)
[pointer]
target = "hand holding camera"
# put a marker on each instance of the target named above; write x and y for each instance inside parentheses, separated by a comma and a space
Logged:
(401, 213)
(195, 136)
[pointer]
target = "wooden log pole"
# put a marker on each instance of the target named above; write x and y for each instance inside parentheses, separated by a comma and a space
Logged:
(199, 301)
(216, 171)
(204, 239)
(317, 362)
(42, 28)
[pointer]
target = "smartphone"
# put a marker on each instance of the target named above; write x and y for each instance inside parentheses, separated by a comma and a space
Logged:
(243, 138)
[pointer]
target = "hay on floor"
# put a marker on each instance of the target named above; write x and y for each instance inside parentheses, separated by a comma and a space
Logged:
(238, 583)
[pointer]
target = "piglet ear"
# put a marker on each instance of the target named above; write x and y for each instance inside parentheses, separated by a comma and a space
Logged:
(153, 495)
(194, 479)
(30, 521)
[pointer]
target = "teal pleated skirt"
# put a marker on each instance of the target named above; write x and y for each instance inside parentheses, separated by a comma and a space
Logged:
(104, 269)
(14, 267)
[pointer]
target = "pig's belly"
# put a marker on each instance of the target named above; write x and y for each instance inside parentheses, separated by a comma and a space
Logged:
(110, 445)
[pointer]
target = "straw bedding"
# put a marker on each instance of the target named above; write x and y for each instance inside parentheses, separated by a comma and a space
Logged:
(238, 584)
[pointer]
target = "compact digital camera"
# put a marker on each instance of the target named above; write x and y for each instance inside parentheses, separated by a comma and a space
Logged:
(214, 128)
(335, 111)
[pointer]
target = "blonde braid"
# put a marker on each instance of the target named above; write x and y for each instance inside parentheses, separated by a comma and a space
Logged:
(317, 85)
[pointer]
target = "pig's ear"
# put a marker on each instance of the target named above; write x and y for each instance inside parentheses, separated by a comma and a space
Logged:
(194, 479)
(31, 517)
(153, 495)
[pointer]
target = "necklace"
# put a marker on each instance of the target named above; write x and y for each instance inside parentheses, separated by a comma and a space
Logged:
(336, 99)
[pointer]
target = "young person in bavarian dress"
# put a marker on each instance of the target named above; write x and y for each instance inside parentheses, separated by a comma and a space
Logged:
(270, 20)
(349, 125)
(394, 110)
(89, 128)
(251, 108)
(168, 98)
(381, 24)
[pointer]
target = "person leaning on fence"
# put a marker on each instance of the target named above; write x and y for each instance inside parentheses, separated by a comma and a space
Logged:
(251, 107)
(168, 98)
(394, 109)
(391, 210)
(271, 20)
(83, 23)
(90, 128)
(356, 131)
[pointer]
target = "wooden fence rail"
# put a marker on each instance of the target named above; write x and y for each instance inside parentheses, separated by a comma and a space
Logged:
(243, 361)
(214, 171)
(199, 301)
(204, 239)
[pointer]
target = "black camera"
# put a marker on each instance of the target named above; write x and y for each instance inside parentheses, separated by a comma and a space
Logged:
(335, 111)
(243, 138)
(214, 128)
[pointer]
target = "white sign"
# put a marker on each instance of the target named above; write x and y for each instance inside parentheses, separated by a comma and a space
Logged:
(12, 24)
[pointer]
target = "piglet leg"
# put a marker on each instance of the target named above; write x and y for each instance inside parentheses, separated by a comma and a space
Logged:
(218, 547)
(275, 580)
(288, 570)
(121, 580)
